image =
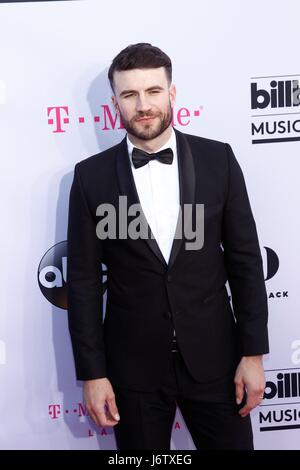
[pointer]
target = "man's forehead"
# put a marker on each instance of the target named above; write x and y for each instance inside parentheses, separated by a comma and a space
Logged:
(140, 78)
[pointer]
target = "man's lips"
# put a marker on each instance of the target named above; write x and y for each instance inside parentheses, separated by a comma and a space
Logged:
(145, 119)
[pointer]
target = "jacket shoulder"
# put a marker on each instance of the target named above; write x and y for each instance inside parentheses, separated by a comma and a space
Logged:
(212, 152)
(209, 144)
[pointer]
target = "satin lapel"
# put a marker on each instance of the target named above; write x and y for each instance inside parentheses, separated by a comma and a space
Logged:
(187, 183)
(128, 188)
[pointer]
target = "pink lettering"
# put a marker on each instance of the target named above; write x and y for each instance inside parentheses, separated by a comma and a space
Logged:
(54, 411)
(57, 121)
(107, 114)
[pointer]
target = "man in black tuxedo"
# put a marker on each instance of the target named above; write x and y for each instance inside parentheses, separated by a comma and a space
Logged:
(169, 336)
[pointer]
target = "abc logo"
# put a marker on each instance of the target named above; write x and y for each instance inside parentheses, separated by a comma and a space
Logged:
(52, 275)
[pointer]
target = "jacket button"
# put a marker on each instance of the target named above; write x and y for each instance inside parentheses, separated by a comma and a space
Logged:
(168, 315)
(169, 278)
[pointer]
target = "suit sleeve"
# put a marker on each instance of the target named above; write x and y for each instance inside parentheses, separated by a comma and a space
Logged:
(84, 279)
(244, 265)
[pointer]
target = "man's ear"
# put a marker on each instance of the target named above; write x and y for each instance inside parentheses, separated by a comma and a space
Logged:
(172, 93)
(114, 102)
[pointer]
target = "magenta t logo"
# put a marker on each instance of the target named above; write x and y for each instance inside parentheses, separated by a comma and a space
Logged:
(54, 411)
(58, 112)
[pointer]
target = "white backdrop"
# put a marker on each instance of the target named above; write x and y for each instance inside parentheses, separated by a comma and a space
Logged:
(53, 64)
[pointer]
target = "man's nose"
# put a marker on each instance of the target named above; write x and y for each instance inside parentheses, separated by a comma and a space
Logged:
(142, 104)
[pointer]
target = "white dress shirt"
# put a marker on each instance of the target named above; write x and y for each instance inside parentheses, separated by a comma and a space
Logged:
(157, 185)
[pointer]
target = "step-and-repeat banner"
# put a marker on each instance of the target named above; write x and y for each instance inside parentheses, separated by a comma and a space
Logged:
(238, 81)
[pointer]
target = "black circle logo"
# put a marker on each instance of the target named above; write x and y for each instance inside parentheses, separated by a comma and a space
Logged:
(52, 275)
(272, 263)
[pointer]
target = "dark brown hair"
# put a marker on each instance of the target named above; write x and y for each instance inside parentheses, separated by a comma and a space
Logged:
(140, 56)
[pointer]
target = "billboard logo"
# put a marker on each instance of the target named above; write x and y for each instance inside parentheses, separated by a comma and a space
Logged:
(284, 385)
(275, 104)
(280, 94)
(280, 409)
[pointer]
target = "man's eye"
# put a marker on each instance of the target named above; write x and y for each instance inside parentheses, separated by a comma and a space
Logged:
(154, 91)
(128, 96)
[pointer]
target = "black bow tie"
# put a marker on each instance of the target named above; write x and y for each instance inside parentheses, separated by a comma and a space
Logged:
(141, 158)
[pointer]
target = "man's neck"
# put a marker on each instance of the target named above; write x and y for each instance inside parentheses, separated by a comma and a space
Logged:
(152, 145)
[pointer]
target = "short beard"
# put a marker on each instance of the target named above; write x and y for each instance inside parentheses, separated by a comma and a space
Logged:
(148, 133)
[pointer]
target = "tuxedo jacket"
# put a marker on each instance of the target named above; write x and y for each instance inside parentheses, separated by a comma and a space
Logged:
(147, 298)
